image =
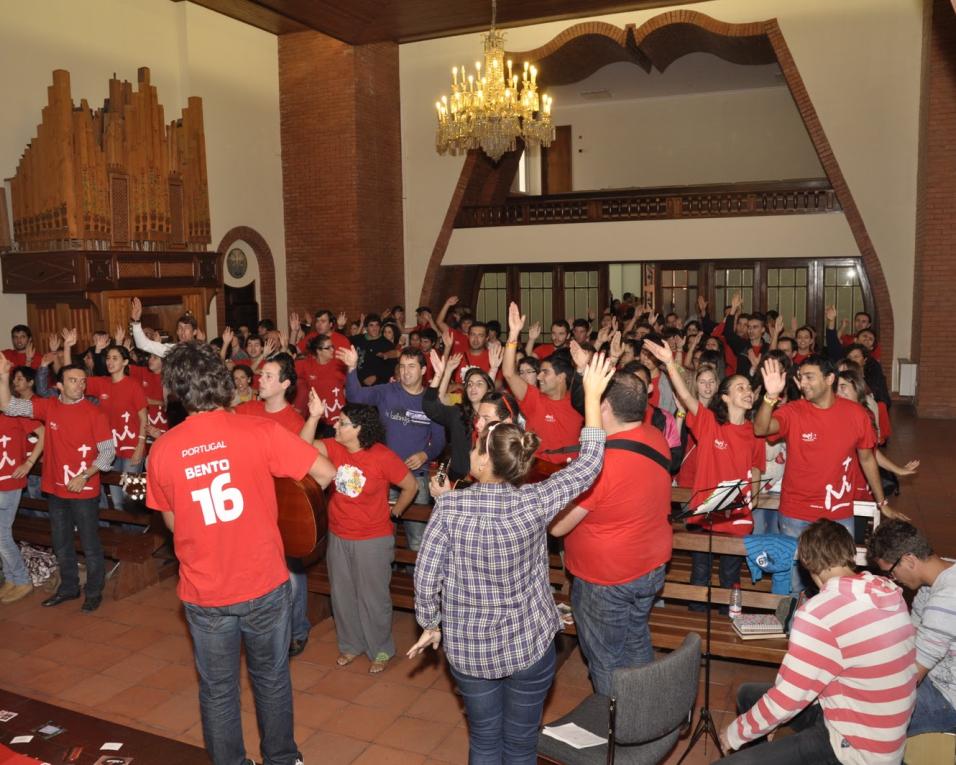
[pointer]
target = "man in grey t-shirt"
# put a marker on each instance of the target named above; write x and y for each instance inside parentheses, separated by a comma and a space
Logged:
(903, 554)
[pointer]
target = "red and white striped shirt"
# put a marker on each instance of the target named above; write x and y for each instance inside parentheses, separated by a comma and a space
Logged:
(852, 648)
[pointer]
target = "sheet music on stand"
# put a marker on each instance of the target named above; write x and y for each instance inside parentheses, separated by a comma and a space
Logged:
(722, 496)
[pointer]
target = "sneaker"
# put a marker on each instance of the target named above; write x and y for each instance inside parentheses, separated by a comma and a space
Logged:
(5, 587)
(16, 592)
(297, 647)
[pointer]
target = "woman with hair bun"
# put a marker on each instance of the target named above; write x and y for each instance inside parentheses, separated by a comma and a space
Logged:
(481, 578)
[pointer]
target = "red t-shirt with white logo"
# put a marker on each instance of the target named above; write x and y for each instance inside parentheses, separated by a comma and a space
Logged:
(556, 423)
(19, 358)
(213, 473)
(724, 453)
(358, 506)
(121, 402)
(821, 479)
(13, 433)
(328, 381)
(69, 446)
(287, 417)
(481, 360)
(152, 383)
(626, 533)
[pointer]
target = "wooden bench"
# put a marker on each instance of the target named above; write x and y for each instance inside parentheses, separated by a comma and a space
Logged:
(135, 540)
(669, 621)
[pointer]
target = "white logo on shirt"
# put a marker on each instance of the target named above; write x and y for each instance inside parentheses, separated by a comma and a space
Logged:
(844, 488)
(69, 475)
(809, 438)
(722, 445)
(349, 480)
(549, 418)
(5, 459)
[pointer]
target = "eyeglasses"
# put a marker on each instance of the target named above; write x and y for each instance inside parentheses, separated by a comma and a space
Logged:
(324, 348)
(889, 572)
(346, 424)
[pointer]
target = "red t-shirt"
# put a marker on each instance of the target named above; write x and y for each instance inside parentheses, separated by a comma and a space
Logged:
(883, 419)
(152, 383)
(328, 381)
(459, 342)
(212, 471)
(338, 341)
(556, 423)
(287, 417)
(13, 433)
(688, 467)
(358, 506)
(543, 351)
(72, 433)
(724, 453)
(481, 360)
(626, 533)
(820, 480)
(121, 402)
(19, 358)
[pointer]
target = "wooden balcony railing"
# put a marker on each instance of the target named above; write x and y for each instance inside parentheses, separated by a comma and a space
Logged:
(672, 202)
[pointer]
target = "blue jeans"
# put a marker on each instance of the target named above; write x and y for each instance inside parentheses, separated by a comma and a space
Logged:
(415, 530)
(612, 624)
(33, 487)
(765, 521)
(13, 569)
(122, 465)
(793, 527)
(83, 514)
(504, 714)
(299, 583)
(262, 626)
(933, 713)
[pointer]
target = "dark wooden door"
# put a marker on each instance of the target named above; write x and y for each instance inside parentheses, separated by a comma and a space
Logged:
(241, 306)
(556, 163)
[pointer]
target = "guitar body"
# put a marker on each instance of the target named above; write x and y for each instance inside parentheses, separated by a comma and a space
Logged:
(303, 517)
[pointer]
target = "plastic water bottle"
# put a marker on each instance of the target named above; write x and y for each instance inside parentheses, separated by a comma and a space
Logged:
(736, 602)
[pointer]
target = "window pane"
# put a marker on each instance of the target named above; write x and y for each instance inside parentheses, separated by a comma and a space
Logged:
(773, 277)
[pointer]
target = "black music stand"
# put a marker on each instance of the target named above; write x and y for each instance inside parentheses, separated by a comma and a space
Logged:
(725, 497)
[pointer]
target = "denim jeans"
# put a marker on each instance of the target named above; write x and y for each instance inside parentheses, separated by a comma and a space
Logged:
(415, 530)
(122, 465)
(933, 713)
(262, 626)
(793, 527)
(728, 573)
(33, 487)
(13, 569)
(809, 745)
(612, 623)
(504, 715)
(299, 613)
(766, 521)
(83, 514)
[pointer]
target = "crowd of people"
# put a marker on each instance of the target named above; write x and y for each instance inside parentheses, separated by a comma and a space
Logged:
(581, 439)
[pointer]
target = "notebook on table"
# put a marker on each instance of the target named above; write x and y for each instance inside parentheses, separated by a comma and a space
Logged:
(766, 626)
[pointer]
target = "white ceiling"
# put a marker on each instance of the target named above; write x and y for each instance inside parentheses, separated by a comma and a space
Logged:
(693, 73)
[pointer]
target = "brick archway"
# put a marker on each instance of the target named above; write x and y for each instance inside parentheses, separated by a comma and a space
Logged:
(657, 43)
(267, 272)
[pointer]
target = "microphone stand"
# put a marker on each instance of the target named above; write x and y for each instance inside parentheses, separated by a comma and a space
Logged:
(705, 722)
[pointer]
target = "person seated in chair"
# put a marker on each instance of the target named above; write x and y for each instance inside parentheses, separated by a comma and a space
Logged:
(848, 680)
(903, 554)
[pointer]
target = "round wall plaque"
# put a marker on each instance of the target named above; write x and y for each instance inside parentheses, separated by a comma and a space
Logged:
(236, 263)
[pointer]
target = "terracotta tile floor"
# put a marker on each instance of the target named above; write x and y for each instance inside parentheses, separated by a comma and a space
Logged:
(131, 661)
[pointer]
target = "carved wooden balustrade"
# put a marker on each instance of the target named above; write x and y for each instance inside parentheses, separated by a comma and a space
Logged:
(672, 202)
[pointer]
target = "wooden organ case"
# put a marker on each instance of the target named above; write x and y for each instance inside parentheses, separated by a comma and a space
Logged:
(107, 204)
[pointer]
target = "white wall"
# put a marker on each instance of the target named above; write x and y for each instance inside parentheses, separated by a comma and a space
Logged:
(743, 135)
(859, 59)
(190, 51)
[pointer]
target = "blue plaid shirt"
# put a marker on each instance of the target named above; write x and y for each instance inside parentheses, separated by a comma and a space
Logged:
(482, 570)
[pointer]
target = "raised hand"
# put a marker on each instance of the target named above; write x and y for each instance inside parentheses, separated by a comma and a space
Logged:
(227, 337)
(294, 324)
(452, 300)
(735, 302)
(119, 334)
(534, 331)
(438, 364)
(662, 352)
(135, 309)
(774, 377)
(794, 325)
(701, 306)
(100, 342)
(617, 346)
(496, 354)
(447, 340)
(316, 405)
(515, 321)
(831, 313)
(342, 319)
(454, 361)
(6, 366)
(578, 355)
(348, 356)
(269, 347)
(30, 350)
(69, 337)
(54, 342)
(597, 374)
(777, 328)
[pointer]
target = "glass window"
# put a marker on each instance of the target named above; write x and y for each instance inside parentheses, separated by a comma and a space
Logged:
(787, 293)
(536, 301)
(580, 294)
(493, 298)
(678, 291)
(727, 281)
(841, 288)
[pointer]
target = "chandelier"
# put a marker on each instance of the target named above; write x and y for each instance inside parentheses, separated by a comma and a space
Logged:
(488, 110)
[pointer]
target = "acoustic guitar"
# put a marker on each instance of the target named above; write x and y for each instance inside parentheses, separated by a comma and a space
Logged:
(303, 515)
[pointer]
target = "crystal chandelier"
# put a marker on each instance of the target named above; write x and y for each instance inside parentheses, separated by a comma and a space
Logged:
(488, 110)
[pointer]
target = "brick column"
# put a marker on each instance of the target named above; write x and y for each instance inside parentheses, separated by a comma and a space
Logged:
(341, 173)
(935, 273)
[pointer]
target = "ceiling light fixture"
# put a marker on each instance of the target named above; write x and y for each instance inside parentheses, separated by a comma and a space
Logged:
(488, 110)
